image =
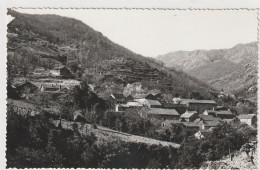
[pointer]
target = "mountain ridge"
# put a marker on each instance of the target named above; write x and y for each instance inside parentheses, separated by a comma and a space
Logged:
(219, 67)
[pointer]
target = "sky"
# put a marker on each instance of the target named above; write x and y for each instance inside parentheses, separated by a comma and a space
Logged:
(156, 32)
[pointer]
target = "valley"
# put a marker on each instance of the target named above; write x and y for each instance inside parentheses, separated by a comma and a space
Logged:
(75, 99)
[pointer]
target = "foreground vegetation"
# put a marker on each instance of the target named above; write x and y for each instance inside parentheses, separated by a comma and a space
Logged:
(35, 142)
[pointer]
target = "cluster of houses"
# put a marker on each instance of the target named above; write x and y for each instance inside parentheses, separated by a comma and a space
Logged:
(190, 113)
(29, 88)
(57, 71)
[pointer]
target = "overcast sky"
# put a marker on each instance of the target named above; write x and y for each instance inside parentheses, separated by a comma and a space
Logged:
(156, 32)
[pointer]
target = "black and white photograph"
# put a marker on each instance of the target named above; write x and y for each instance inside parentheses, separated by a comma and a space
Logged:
(131, 88)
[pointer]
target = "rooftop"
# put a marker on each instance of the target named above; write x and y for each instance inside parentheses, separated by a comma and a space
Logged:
(211, 111)
(208, 117)
(154, 102)
(224, 112)
(249, 116)
(190, 124)
(134, 104)
(213, 123)
(165, 104)
(187, 101)
(228, 120)
(188, 114)
(163, 111)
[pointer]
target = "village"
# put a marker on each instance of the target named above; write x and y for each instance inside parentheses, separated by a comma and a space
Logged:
(197, 116)
(78, 99)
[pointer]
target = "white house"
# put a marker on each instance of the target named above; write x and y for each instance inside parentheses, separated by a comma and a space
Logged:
(249, 119)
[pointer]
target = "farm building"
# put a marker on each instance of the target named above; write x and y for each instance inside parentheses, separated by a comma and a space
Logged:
(204, 125)
(210, 112)
(190, 127)
(223, 114)
(115, 100)
(180, 108)
(199, 105)
(187, 127)
(207, 117)
(27, 88)
(166, 114)
(249, 119)
(189, 116)
(53, 88)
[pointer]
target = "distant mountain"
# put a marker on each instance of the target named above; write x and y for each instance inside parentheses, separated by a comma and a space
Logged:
(234, 69)
(45, 40)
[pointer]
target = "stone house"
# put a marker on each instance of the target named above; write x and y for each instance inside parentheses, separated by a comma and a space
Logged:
(26, 89)
(199, 105)
(189, 116)
(249, 119)
(165, 114)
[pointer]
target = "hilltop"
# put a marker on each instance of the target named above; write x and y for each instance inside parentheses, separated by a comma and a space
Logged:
(48, 40)
(234, 69)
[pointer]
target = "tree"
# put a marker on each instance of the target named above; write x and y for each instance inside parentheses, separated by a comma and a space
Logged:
(88, 102)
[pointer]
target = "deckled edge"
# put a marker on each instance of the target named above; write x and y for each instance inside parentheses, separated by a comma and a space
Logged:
(125, 8)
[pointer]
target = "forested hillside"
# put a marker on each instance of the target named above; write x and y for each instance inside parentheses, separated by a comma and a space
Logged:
(45, 40)
(234, 69)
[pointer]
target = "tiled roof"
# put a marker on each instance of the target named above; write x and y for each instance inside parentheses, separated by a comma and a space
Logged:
(190, 124)
(227, 120)
(224, 112)
(208, 117)
(187, 101)
(249, 116)
(211, 111)
(154, 102)
(213, 123)
(123, 105)
(188, 114)
(165, 104)
(27, 84)
(163, 111)
(134, 104)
